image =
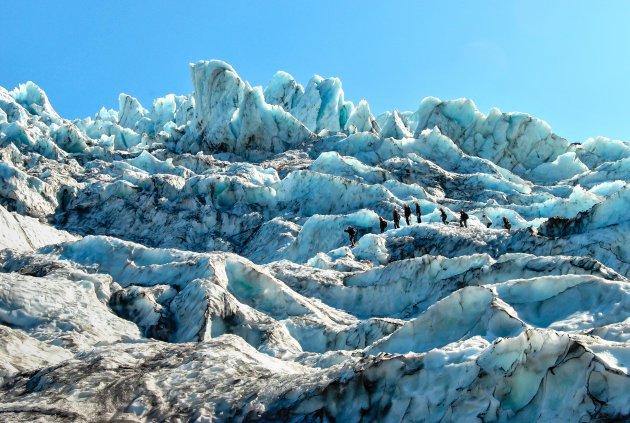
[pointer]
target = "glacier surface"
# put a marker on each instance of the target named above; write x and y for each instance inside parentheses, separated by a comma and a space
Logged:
(188, 261)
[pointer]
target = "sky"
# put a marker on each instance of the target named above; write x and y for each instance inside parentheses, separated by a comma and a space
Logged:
(566, 62)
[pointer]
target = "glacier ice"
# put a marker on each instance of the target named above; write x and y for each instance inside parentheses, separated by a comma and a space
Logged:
(394, 127)
(361, 119)
(283, 91)
(187, 261)
(131, 111)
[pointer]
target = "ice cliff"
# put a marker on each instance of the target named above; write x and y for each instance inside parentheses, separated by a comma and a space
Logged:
(187, 261)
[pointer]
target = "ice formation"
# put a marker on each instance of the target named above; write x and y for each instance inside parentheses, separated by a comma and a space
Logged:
(187, 261)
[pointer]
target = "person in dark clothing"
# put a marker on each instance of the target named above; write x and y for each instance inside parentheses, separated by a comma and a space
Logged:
(396, 219)
(383, 223)
(407, 210)
(418, 212)
(352, 233)
(463, 218)
(486, 220)
(443, 216)
(506, 224)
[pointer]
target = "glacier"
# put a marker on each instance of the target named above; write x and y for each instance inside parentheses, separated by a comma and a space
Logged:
(187, 261)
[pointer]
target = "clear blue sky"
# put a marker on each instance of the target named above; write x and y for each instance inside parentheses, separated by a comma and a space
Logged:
(567, 62)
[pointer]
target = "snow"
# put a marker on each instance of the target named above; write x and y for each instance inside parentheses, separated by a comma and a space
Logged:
(188, 261)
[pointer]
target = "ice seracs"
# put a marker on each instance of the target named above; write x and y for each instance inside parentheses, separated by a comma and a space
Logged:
(514, 141)
(283, 91)
(264, 128)
(394, 127)
(321, 107)
(361, 119)
(218, 92)
(231, 116)
(131, 111)
(187, 260)
(35, 100)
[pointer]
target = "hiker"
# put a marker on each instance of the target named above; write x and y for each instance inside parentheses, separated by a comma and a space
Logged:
(506, 224)
(418, 212)
(383, 223)
(396, 219)
(407, 210)
(486, 220)
(463, 218)
(443, 216)
(352, 233)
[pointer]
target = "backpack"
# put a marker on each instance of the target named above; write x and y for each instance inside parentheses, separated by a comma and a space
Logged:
(465, 216)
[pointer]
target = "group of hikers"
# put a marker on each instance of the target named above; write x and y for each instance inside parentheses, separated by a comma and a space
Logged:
(463, 220)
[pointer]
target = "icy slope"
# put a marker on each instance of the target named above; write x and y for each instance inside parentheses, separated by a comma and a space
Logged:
(187, 260)
(25, 233)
